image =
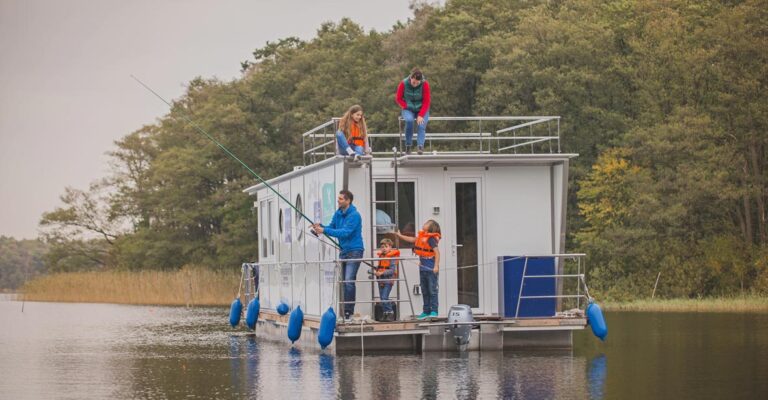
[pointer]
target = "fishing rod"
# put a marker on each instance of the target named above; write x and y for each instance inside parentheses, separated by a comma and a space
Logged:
(229, 153)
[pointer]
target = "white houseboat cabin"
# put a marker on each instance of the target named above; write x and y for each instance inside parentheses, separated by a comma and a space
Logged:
(496, 185)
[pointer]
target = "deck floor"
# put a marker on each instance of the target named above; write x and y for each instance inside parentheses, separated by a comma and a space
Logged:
(371, 326)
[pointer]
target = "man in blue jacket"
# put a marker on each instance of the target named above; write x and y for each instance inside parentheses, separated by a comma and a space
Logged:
(347, 226)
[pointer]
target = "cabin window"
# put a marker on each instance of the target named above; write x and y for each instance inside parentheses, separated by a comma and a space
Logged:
(299, 219)
(270, 228)
(263, 231)
(267, 244)
(385, 213)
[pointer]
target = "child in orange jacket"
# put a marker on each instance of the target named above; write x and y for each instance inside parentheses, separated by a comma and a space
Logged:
(425, 246)
(387, 270)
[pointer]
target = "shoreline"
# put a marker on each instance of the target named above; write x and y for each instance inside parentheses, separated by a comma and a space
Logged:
(742, 304)
(197, 286)
(189, 286)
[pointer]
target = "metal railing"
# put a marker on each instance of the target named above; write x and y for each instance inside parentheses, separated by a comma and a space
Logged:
(579, 285)
(576, 292)
(455, 135)
(251, 273)
(399, 272)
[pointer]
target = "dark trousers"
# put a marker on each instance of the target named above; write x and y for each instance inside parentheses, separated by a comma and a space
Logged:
(429, 290)
(384, 290)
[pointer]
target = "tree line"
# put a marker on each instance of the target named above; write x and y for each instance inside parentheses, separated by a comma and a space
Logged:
(20, 260)
(664, 102)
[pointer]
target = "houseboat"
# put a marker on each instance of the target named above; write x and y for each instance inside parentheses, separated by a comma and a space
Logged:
(498, 188)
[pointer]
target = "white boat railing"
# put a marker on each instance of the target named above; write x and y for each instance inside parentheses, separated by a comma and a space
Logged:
(577, 290)
(463, 135)
(251, 276)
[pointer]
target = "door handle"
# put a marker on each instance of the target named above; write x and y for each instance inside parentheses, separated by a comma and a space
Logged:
(455, 246)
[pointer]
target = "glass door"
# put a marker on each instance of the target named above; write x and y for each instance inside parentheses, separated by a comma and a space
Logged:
(465, 248)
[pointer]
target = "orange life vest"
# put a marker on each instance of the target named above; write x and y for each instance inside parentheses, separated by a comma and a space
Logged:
(385, 264)
(422, 247)
(355, 135)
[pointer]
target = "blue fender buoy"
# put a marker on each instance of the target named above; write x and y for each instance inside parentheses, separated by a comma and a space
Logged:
(282, 308)
(596, 321)
(294, 324)
(252, 313)
(327, 327)
(235, 311)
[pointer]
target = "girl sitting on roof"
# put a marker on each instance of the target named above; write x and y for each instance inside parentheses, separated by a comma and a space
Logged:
(352, 136)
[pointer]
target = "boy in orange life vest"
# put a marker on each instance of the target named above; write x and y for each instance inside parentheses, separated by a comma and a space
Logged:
(425, 246)
(387, 270)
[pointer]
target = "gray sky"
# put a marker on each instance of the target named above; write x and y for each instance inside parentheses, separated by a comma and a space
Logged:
(65, 90)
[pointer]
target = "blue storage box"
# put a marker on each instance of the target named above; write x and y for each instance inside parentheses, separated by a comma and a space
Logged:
(510, 278)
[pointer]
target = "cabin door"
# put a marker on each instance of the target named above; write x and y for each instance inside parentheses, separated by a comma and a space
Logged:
(463, 245)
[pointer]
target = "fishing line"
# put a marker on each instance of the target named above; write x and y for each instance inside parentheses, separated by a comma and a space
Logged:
(226, 150)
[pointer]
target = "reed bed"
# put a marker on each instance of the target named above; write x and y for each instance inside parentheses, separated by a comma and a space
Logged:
(750, 303)
(190, 286)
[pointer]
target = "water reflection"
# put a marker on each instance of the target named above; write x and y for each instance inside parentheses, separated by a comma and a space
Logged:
(596, 377)
(107, 351)
(429, 376)
(235, 360)
(521, 375)
(327, 371)
(252, 365)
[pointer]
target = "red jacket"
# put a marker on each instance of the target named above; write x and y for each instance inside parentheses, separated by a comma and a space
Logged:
(425, 101)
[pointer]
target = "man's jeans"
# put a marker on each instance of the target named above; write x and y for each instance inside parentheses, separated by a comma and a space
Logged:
(349, 272)
(429, 290)
(410, 119)
(384, 290)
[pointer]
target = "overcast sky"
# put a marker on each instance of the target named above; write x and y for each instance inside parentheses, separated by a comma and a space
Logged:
(66, 93)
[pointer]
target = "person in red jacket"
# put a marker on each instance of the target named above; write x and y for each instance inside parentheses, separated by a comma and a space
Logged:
(414, 97)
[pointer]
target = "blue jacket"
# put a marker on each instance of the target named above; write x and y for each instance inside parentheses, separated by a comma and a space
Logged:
(347, 226)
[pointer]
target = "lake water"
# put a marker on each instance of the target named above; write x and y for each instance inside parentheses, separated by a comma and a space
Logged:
(76, 351)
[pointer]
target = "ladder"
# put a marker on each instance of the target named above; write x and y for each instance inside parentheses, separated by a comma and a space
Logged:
(395, 225)
(250, 276)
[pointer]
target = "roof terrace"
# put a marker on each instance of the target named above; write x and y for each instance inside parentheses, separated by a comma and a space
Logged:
(451, 135)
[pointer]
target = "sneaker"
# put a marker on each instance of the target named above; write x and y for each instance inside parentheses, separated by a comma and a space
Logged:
(420, 150)
(350, 152)
(433, 315)
(422, 316)
(407, 150)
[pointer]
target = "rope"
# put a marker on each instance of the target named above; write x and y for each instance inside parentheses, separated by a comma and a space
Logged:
(242, 271)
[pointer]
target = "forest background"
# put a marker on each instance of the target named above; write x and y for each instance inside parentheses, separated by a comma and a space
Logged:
(665, 103)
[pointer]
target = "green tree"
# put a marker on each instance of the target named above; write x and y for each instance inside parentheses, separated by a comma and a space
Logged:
(20, 260)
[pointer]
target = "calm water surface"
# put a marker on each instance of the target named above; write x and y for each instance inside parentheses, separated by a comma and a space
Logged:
(77, 351)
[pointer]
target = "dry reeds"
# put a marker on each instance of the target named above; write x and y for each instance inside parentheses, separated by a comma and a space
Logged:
(751, 303)
(188, 286)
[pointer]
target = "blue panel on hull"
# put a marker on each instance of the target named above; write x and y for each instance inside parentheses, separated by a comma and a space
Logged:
(512, 273)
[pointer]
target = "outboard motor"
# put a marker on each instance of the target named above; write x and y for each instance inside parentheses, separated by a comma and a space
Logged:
(461, 317)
